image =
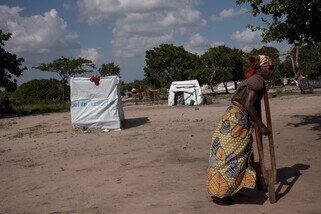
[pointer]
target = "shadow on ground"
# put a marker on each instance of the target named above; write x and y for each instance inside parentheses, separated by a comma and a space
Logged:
(286, 178)
(314, 120)
(134, 122)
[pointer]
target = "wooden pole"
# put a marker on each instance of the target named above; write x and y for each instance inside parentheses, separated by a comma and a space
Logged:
(270, 137)
(268, 175)
(259, 143)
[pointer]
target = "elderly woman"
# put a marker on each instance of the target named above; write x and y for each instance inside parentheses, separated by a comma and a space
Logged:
(229, 168)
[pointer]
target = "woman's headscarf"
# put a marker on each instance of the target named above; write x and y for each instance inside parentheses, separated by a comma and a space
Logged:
(260, 61)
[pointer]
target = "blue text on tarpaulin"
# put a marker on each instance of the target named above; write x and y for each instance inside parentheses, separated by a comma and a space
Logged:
(83, 104)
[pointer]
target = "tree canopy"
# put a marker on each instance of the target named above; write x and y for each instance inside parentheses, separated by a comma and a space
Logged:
(297, 21)
(310, 62)
(204, 75)
(225, 63)
(10, 65)
(168, 63)
(109, 69)
(66, 67)
(40, 91)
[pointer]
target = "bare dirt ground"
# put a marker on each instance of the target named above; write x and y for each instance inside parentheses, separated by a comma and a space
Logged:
(157, 164)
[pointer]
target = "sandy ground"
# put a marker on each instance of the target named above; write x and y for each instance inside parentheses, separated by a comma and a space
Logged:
(157, 164)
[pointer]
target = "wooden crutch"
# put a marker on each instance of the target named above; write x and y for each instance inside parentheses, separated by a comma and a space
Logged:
(269, 175)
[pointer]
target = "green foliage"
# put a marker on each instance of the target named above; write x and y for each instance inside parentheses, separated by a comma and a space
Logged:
(277, 92)
(203, 74)
(226, 64)
(109, 69)
(297, 21)
(140, 84)
(6, 104)
(40, 91)
(66, 67)
(287, 69)
(310, 63)
(41, 108)
(10, 66)
(125, 87)
(168, 63)
(309, 91)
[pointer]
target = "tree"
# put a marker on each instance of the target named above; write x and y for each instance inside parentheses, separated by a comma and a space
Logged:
(204, 75)
(310, 60)
(39, 91)
(168, 63)
(109, 69)
(66, 67)
(296, 21)
(310, 63)
(10, 65)
(226, 64)
(237, 66)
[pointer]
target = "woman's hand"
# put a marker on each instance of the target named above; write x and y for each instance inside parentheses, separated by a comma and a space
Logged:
(264, 130)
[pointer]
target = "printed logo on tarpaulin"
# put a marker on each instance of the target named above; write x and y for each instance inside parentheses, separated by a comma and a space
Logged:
(82, 104)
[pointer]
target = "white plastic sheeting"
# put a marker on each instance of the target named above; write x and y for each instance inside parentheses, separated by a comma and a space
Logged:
(230, 86)
(191, 90)
(95, 106)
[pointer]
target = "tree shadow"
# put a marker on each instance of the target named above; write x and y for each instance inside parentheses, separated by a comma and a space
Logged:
(286, 178)
(134, 122)
(314, 120)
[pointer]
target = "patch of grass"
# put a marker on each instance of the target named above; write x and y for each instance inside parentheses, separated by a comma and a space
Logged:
(277, 92)
(19, 135)
(42, 108)
(37, 127)
(309, 91)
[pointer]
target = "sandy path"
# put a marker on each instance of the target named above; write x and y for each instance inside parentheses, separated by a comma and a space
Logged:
(156, 165)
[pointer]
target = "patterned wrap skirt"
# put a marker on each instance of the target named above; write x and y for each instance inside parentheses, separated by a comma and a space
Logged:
(230, 152)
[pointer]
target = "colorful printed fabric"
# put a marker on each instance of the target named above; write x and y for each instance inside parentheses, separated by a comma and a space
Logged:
(229, 168)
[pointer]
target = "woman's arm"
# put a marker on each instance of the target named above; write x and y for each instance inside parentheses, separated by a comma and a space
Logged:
(254, 114)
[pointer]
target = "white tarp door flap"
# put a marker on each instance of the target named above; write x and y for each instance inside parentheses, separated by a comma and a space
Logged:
(95, 106)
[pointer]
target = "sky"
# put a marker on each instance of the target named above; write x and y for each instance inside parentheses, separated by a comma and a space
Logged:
(121, 31)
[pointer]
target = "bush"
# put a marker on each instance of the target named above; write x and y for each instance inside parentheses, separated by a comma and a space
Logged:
(41, 91)
(6, 106)
(41, 108)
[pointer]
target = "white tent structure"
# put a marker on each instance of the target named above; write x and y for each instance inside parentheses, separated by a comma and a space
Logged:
(230, 87)
(96, 106)
(190, 89)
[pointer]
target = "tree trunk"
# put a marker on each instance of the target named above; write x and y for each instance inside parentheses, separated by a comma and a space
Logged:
(211, 86)
(225, 86)
(64, 81)
(296, 70)
(235, 85)
(61, 91)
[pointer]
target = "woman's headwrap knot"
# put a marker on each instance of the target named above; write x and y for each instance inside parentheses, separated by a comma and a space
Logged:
(256, 63)
(264, 61)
